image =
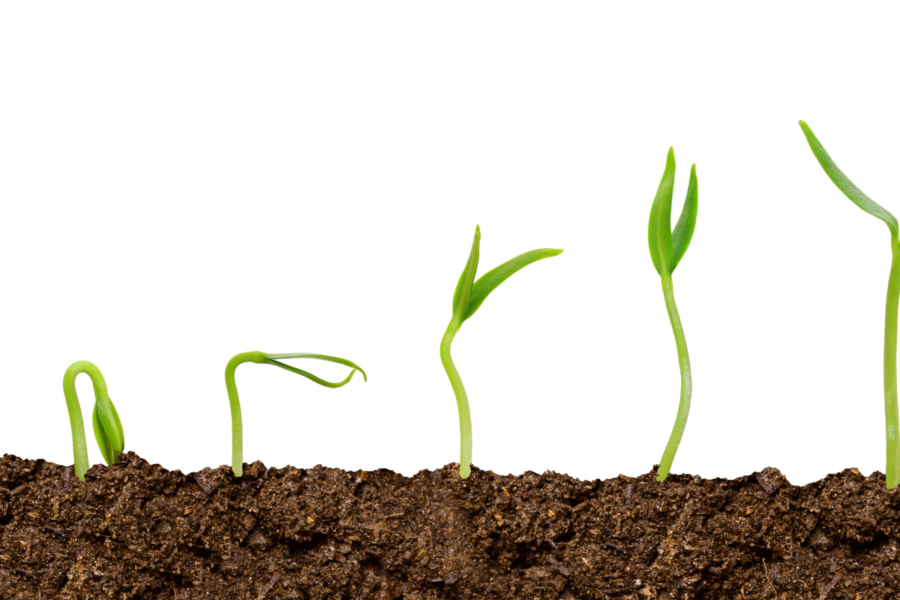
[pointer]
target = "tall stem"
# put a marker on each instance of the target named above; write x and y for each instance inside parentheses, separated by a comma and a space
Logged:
(462, 401)
(79, 441)
(891, 412)
(684, 364)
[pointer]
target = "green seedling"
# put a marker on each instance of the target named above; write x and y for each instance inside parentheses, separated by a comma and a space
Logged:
(237, 431)
(667, 248)
(467, 298)
(891, 412)
(107, 426)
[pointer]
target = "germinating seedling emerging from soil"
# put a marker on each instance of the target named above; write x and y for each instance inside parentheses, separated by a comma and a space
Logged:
(107, 427)
(237, 431)
(667, 247)
(467, 299)
(891, 413)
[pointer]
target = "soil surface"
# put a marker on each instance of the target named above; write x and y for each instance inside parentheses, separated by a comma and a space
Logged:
(136, 530)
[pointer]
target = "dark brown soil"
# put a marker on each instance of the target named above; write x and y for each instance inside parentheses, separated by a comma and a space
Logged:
(136, 530)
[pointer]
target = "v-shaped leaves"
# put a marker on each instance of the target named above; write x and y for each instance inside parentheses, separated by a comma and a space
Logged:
(667, 247)
(470, 294)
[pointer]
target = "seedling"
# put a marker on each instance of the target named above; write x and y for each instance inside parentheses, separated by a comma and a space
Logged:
(107, 427)
(891, 412)
(237, 431)
(467, 298)
(667, 247)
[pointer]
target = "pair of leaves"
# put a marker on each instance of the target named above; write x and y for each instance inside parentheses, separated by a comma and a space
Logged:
(108, 430)
(470, 294)
(275, 359)
(845, 185)
(668, 246)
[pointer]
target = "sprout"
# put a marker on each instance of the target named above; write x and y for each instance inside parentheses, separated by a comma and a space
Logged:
(667, 247)
(891, 413)
(467, 299)
(107, 427)
(237, 435)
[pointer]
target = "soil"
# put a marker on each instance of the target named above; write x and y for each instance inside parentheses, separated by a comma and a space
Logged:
(136, 530)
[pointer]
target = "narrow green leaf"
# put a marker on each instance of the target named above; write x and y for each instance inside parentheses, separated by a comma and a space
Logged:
(660, 230)
(684, 229)
(311, 377)
(466, 280)
(273, 358)
(103, 442)
(488, 282)
(108, 430)
(118, 438)
(845, 185)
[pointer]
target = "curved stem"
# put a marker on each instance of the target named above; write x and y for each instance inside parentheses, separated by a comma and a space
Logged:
(462, 401)
(237, 427)
(684, 364)
(891, 412)
(79, 441)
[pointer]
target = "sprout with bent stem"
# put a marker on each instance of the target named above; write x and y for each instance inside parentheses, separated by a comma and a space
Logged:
(237, 431)
(891, 412)
(467, 299)
(107, 426)
(667, 247)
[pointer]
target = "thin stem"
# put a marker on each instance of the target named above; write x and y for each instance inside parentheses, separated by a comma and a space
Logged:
(79, 441)
(237, 427)
(462, 401)
(891, 412)
(684, 364)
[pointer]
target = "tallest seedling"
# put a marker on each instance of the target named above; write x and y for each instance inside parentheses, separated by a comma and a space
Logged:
(667, 247)
(891, 413)
(467, 299)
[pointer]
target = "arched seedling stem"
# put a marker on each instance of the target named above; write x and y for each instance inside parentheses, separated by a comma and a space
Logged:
(107, 426)
(237, 430)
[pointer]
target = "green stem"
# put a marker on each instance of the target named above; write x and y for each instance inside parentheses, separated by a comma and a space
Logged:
(684, 363)
(237, 428)
(891, 412)
(79, 441)
(462, 401)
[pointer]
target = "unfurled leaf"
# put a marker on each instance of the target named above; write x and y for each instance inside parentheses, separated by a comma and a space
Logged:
(845, 185)
(488, 282)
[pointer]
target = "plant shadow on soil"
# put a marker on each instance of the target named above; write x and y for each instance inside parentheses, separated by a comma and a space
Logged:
(136, 530)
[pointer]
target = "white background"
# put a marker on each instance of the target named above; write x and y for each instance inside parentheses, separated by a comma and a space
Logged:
(182, 182)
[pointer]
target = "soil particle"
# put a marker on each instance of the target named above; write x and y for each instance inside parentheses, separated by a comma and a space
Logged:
(137, 531)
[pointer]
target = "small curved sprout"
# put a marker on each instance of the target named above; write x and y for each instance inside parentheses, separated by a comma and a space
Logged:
(107, 426)
(667, 248)
(891, 411)
(467, 298)
(237, 431)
